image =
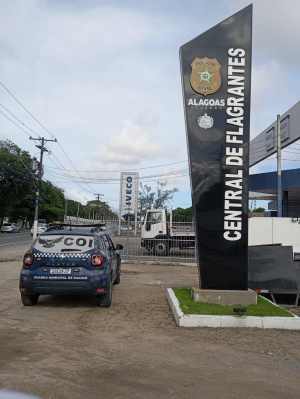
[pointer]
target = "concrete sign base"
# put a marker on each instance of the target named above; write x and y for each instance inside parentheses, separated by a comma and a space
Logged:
(192, 320)
(224, 297)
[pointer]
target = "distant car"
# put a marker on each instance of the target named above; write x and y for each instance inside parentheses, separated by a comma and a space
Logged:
(10, 228)
(127, 227)
(71, 261)
(41, 227)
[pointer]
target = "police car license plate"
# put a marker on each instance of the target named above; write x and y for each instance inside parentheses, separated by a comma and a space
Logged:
(60, 271)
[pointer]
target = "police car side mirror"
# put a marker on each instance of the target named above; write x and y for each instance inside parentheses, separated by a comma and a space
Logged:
(119, 247)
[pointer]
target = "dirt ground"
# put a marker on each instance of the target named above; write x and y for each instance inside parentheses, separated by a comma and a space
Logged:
(67, 347)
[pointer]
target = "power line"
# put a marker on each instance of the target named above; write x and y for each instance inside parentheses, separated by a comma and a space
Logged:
(15, 123)
(26, 109)
(18, 120)
(24, 165)
(140, 181)
(119, 171)
(291, 152)
(94, 180)
(70, 177)
(176, 173)
(73, 165)
(41, 126)
(66, 193)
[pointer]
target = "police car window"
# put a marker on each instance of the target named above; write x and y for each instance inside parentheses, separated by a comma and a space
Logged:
(105, 241)
(96, 241)
(101, 243)
(111, 244)
(61, 243)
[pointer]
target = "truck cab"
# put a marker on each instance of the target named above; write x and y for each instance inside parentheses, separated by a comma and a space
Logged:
(155, 223)
(154, 231)
(160, 234)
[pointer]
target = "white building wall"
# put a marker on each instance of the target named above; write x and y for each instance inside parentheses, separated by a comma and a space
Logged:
(264, 231)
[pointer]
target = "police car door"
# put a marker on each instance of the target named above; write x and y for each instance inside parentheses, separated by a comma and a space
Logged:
(112, 253)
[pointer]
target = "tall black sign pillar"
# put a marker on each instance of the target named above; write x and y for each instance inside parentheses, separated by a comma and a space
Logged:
(216, 77)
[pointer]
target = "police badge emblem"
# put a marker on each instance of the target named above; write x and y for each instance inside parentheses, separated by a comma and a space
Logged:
(205, 76)
(205, 121)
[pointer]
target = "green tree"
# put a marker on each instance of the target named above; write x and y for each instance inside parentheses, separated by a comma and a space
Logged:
(186, 214)
(17, 183)
(71, 207)
(99, 210)
(52, 203)
(130, 215)
(259, 210)
(148, 199)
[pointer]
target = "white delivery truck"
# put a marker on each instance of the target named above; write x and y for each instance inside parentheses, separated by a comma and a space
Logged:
(160, 233)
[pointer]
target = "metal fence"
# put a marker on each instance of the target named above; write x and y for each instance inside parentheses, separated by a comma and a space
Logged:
(134, 252)
(177, 252)
(180, 250)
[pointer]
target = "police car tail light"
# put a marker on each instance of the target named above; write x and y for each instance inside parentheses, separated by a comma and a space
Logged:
(28, 259)
(97, 260)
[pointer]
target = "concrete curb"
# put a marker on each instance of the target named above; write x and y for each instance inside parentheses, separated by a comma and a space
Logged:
(157, 263)
(184, 320)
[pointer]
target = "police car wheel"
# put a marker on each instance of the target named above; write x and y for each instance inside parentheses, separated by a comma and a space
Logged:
(118, 278)
(104, 300)
(29, 300)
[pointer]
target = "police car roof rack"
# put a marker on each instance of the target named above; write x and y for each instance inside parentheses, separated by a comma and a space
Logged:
(96, 228)
(54, 226)
(62, 225)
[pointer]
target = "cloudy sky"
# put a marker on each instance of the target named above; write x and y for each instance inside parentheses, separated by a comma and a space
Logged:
(103, 77)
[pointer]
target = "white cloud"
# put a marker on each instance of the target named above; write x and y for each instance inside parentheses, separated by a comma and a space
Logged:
(103, 29)
(264, 97)
(129, 146)
(275, 29)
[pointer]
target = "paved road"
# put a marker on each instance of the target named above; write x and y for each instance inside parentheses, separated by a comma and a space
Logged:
(8, 239)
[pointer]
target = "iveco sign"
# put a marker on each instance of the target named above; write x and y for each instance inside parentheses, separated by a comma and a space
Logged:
(129, 191)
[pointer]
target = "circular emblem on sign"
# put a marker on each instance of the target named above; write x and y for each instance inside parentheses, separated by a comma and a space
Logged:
(205, 121)
(205, 76)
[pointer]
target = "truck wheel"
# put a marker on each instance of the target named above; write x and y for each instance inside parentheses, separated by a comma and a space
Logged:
(29, 300)
(104, 300)
(161, 248)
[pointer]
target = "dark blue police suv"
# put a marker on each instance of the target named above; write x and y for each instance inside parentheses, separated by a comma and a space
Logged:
(71, 261)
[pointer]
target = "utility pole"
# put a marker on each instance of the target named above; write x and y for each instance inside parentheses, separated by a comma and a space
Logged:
(98, 199)
(66, 210)
(39, 182)
(279, 183)
(77, 212)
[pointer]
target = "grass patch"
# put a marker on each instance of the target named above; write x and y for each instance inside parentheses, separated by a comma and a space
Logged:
(263, 307)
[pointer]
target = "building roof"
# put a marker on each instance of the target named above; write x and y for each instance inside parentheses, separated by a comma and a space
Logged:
(266, 183)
